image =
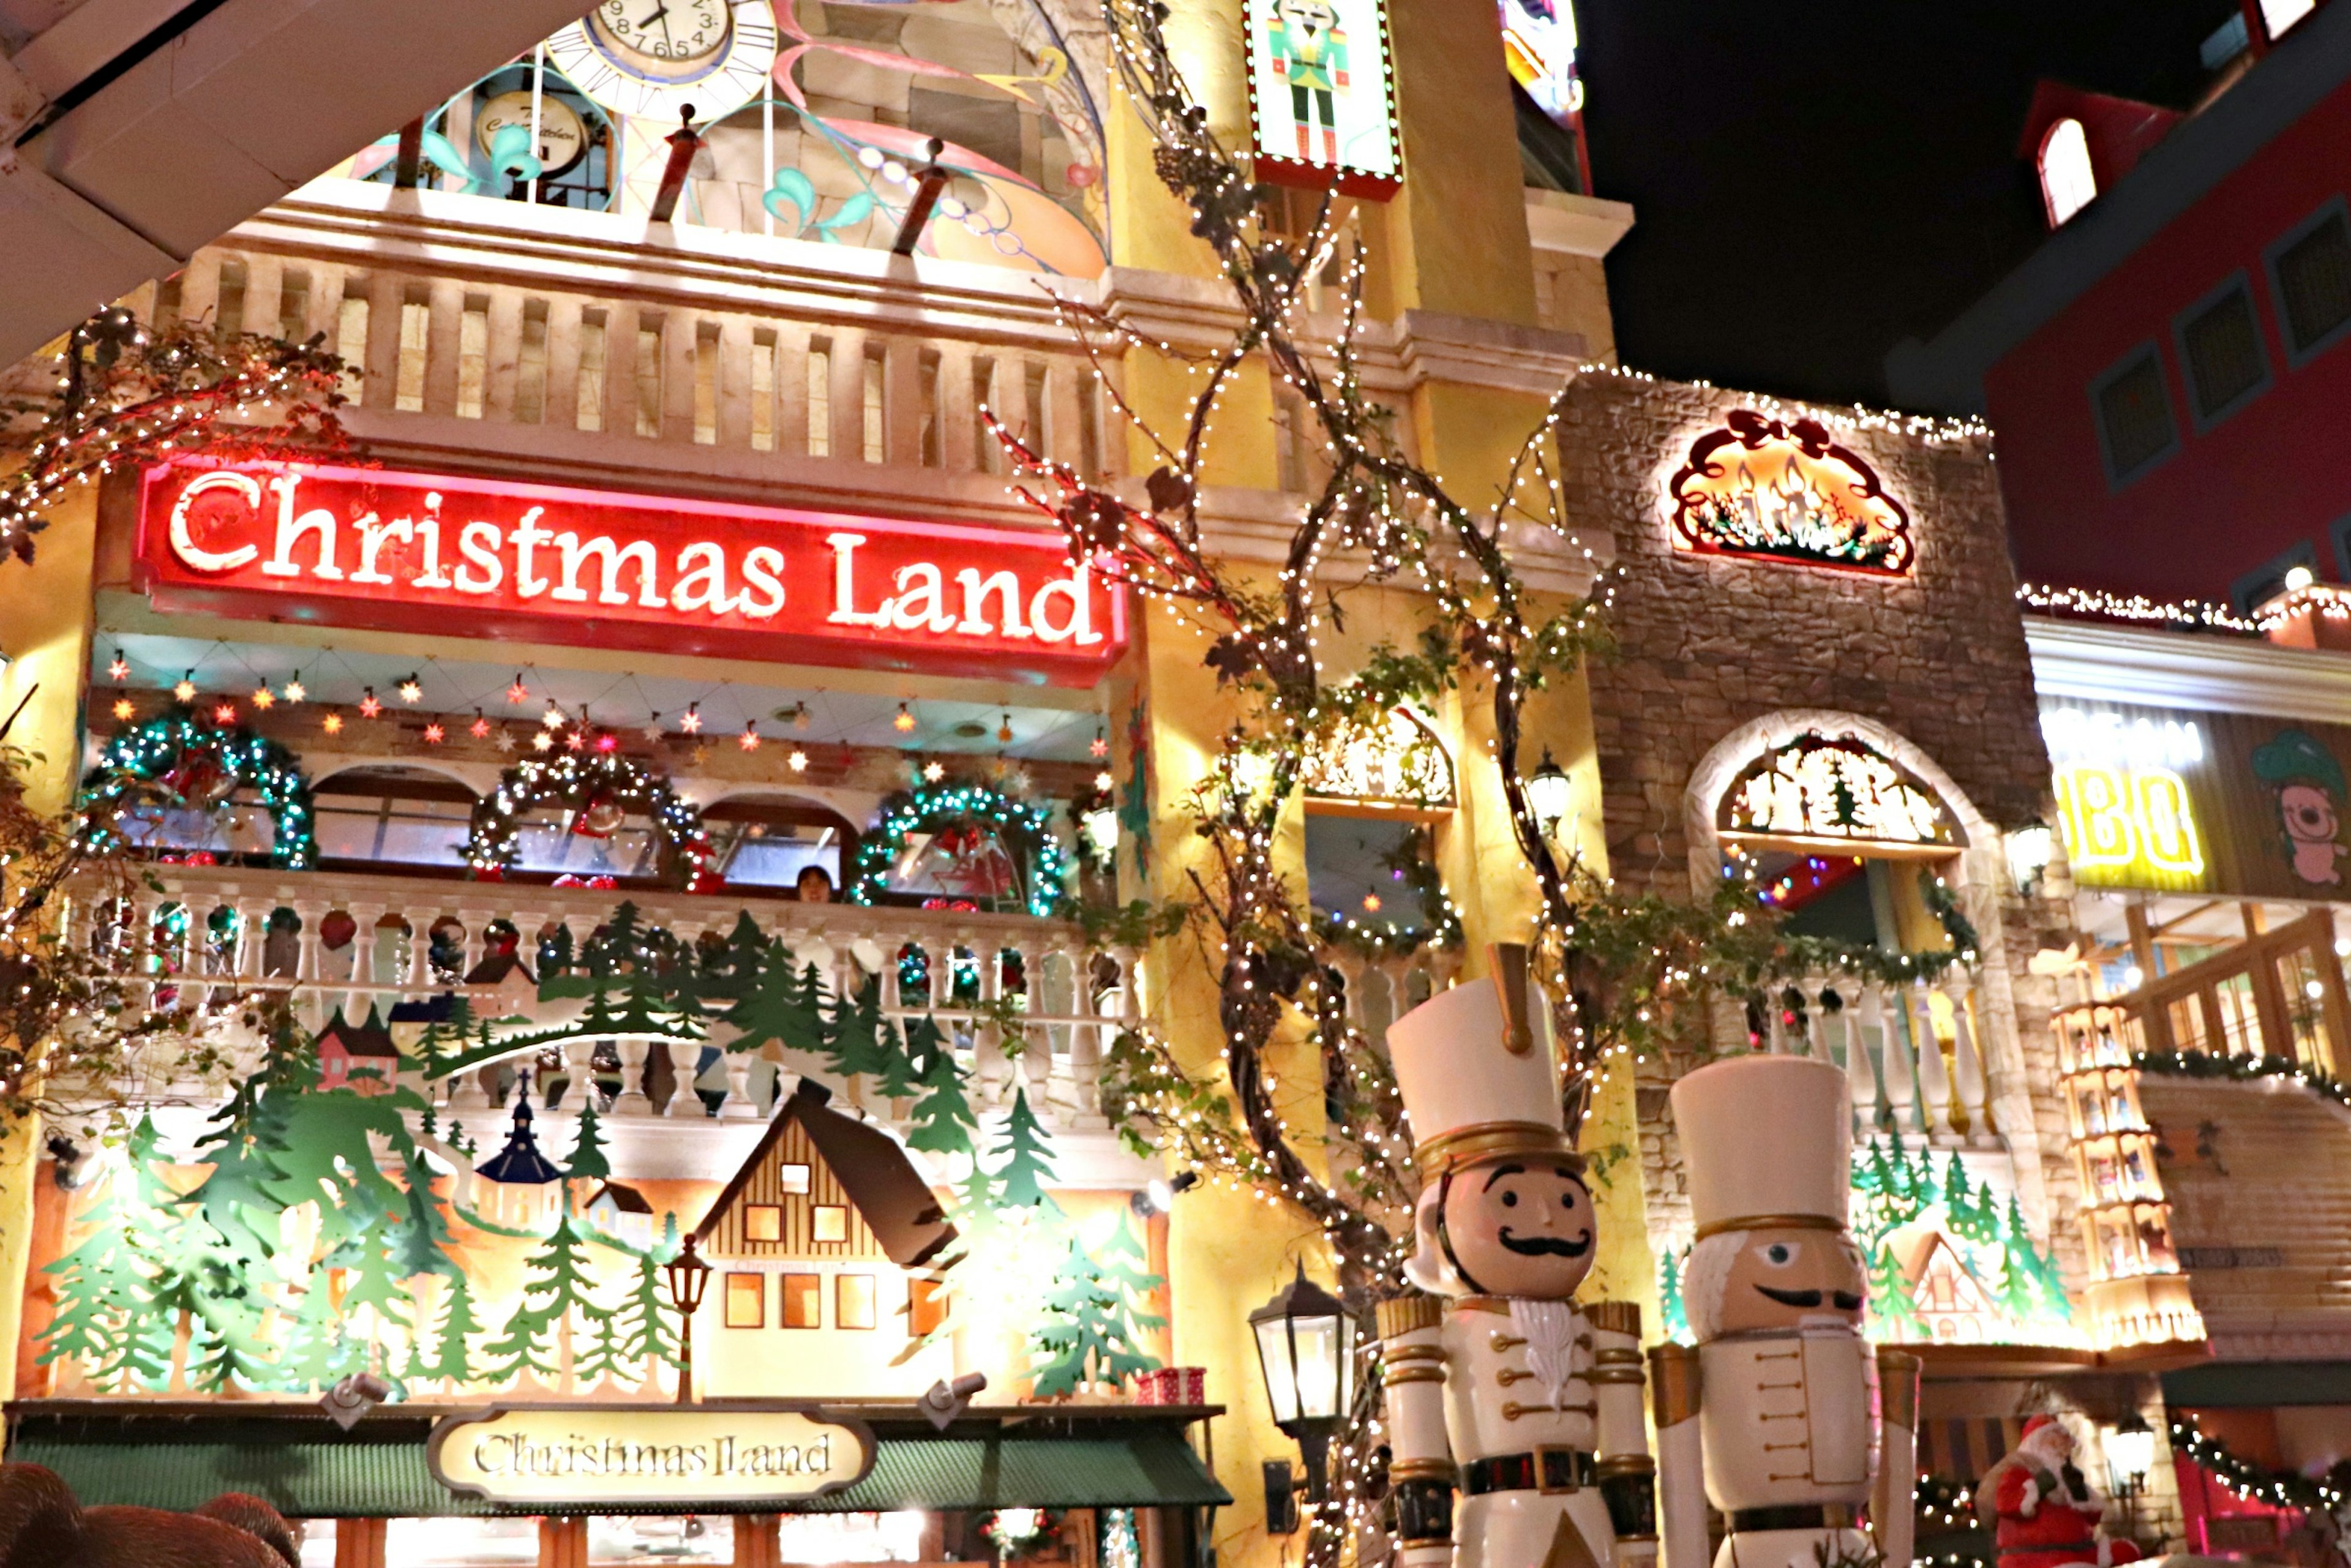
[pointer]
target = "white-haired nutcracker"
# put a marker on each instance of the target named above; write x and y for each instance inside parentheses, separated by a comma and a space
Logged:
(1776, 1412)
(1497, 1382)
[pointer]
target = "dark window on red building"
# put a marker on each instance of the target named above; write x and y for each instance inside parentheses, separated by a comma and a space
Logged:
(2221, 347)
(2135, 424)
(2312, 274)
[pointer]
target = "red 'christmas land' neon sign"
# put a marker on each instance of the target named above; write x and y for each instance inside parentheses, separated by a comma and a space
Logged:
(414, 552)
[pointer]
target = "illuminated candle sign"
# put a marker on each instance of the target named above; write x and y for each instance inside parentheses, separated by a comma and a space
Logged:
(416, 552)
(1783, 490)
(2129, 817)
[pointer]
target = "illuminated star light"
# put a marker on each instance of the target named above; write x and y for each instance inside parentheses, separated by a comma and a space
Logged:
(1103, 781)
(542, 741)
(933, 772)
(122, 707)
(119, 669)
(434, 734)
(480, 728)
(518, 694)
(332, 723)
(368, 705)
(186, 687)
(295, 691)
(904, 722)
(224, 714)
(412, 690)
(749, 739)
(552, 717)
(692, 721)
(799, 761)
(576, 741)
(263, 698)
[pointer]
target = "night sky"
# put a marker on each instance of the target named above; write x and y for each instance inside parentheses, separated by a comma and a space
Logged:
(1815, 181)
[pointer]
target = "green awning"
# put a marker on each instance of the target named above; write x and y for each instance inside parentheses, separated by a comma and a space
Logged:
(182, 1456)
(2258, 1385)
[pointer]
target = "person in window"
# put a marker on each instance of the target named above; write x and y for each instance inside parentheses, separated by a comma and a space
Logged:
(815, 884)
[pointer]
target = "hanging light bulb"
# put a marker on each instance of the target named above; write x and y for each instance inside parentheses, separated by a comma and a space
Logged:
(933, 772)
(575, 741)
(799, 760)
(225, 713)
(691, 722)
(749, 739)
(543, 741)
(119, 669)
(122, 708)
(1004, 731)
(801, 718)
(295, 690)
(433, 733)
(480, 728)
(412, 690)
(904, 722)
(186, 687)
(1099, 746)
(553, 717)
(368, 705)
(518, 694)
(333, 723)
(1103, 781)
(263, 698)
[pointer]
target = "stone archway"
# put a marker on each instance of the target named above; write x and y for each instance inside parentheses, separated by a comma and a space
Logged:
(1980, 882)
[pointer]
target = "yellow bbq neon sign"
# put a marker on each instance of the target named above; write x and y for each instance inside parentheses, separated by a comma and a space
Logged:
(2129, 827)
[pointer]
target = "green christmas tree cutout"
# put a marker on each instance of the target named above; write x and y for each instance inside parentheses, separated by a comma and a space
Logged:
(1088, 1324)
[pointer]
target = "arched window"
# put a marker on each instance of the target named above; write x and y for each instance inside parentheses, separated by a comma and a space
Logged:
(2067, 181)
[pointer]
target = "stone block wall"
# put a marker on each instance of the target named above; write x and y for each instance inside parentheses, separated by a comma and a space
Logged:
(1708, 643)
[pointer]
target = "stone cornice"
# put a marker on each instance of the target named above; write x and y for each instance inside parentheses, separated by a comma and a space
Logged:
(2185, 670)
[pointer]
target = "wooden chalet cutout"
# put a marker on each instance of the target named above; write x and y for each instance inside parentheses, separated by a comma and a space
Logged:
(1952, 1304)
(814, 1158)
(362, 1057)
(621, 1210)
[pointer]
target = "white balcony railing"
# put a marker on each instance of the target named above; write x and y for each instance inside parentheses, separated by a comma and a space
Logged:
(208, 935)
(1910, 1053)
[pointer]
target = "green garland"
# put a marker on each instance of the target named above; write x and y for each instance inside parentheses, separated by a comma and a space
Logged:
(577, 781)
(2279, 1489)
(2241, 1070)
(1022, 825)
(138, 758)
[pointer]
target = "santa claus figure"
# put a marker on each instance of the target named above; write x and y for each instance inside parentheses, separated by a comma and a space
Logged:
(2043, 1511)
(1499, 1383)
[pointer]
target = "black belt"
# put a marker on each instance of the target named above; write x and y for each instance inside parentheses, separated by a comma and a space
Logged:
(1543, 1470)
(1795, 1516)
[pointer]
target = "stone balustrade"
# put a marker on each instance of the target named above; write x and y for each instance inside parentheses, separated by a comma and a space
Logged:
(1911, 1053)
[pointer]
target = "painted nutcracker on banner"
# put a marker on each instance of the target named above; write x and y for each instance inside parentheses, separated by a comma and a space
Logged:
(1499, 1386)
(1782, 1414)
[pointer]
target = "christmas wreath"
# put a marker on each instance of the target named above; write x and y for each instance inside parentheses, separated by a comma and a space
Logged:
(597, 790)
(985, 847)
(182, 762)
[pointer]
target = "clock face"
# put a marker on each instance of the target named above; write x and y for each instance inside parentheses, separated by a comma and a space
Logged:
(562, 137)
(654, 57)
(661, 41)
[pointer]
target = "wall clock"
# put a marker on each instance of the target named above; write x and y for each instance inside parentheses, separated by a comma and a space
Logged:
(653, 58)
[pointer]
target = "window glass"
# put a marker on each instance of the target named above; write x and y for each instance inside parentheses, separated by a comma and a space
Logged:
(392, 816)
(830, 1223)
(2277, 15)
(793, 1177)
(2067, 181)
(853, 1302)
(2135, 417)
(850, 1537)
(763, 1222)
(926, 1306)
(461, 1543)
(662, 1538)
(803, 1299)
(2314, 283)
(746, 1301)
(2220, 344)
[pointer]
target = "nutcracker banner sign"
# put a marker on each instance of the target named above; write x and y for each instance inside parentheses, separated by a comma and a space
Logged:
(481, 556)
(1322, 110)
(2240, 804)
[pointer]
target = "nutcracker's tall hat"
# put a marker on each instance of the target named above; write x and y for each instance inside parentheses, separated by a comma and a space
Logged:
(1474, 1066)
(1767, 1142)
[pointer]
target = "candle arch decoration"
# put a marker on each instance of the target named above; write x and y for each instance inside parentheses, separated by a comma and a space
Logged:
(584, 784)
(1770, 489)
(1022, 826)
(183, 759)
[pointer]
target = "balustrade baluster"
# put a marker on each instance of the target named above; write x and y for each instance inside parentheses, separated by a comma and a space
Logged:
(1934, 1077)
(1975, 1097)
(1894, 1056)
(738, 1105)
(1085, 1039)
(997, 1056)
(632, 1101)
(682, 1100)
(1860, 1011)
(579, 1076)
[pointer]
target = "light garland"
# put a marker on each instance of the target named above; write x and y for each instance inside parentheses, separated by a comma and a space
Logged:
(1026, 825)
(2097, 604)
(577, 781)
(138, 760)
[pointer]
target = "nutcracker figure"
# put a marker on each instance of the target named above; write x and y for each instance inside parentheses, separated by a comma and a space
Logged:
(1776, 1411)
(1497, 1382)
(1310, 54)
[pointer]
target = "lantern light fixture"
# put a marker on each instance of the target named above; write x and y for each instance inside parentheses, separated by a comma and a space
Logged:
(1306, 1351)
(688, 1277)
(1551, 794)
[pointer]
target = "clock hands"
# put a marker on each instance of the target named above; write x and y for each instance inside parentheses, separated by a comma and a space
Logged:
(661, 14)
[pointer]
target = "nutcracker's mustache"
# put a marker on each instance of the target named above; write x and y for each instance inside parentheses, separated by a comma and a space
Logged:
(1844, 1300)
(1546, 1246)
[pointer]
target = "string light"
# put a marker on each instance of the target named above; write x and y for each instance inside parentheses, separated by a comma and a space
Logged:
(123, 708)
(518, 694)
(904, 722)
(264, 699)
(933, 772)
(412, 690)
(798, 760)
(554, 716)
(1099, 747)
(332, 722)
(137, 758)
(370, 707)
(434, 734)
(184, 689)
(480, 728)
(690, 720)
(295, 690)
(1004, 731)
(749, 739)
(225, 713)
(119, 668)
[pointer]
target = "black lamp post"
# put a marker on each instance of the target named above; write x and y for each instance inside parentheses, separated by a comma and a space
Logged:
(1306, 1350)
(689, 1277)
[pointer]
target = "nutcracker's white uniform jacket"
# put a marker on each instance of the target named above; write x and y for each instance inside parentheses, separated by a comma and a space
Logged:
(1550, 1393)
